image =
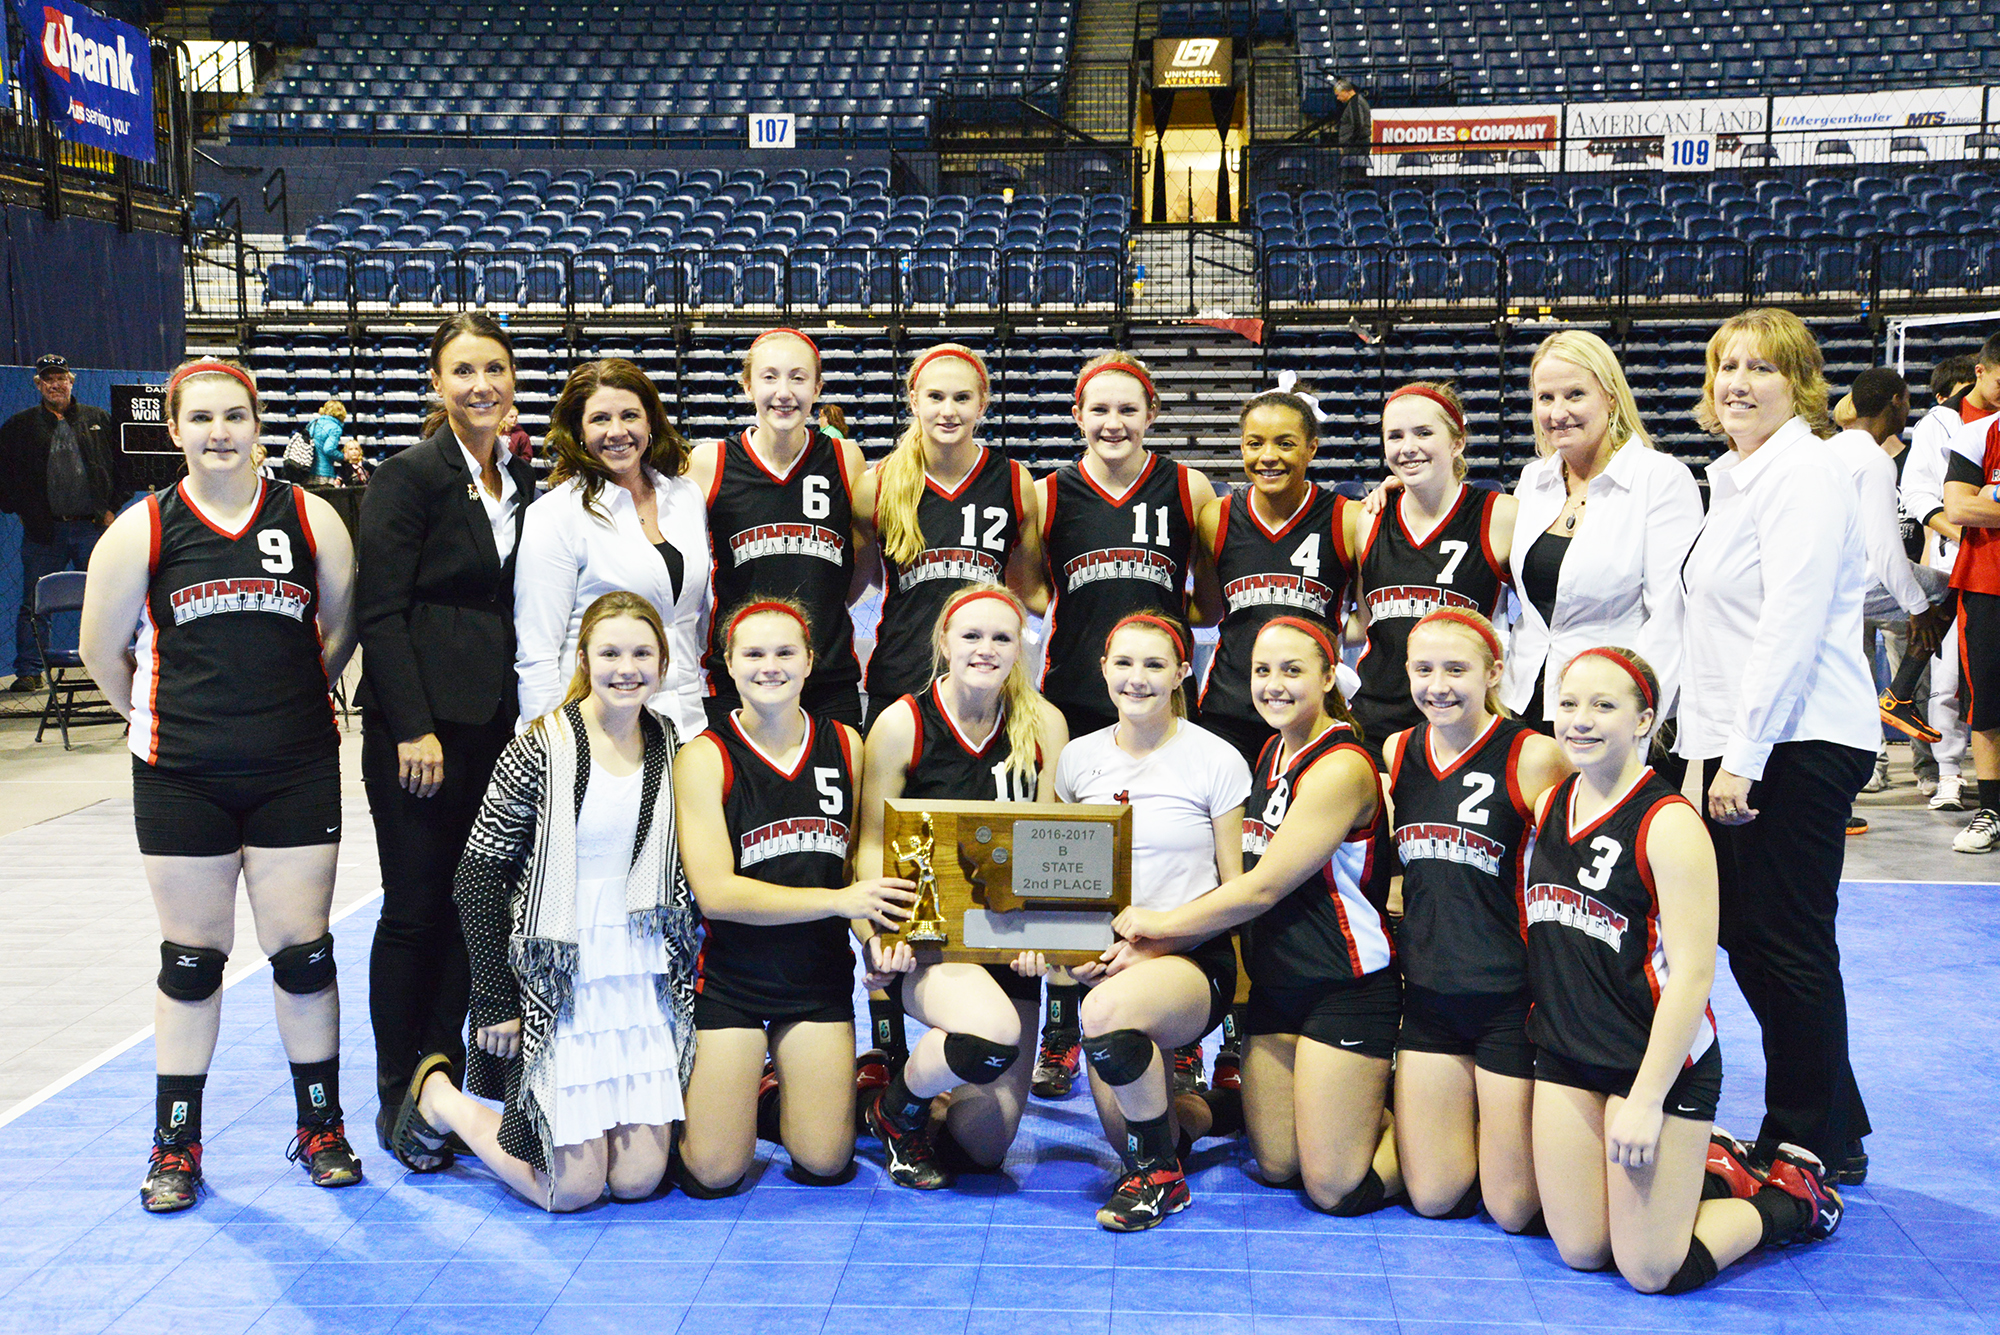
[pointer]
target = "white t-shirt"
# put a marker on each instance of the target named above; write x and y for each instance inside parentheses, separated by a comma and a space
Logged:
(1175, 794)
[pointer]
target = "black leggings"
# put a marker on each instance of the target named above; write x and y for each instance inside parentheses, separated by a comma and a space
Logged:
(418, 979)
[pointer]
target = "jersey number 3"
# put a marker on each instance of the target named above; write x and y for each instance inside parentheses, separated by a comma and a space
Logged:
(1598, 874)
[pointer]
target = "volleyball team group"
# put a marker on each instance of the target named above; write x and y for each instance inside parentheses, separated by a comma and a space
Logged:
(628, 785)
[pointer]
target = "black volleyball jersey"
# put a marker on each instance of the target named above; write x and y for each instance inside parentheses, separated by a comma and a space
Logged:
(970, 533)
(1401, 580)
(1334, 927)
(1109, 556)
(787, 536)
(1299, 569)
(230, 674)
(1595, 962)
(946, 764)
(786, 827)
(1462, 836)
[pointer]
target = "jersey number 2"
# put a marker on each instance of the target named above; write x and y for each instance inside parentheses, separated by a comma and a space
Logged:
(276, 545)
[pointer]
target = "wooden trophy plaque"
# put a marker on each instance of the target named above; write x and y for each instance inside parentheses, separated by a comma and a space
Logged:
(997, 878)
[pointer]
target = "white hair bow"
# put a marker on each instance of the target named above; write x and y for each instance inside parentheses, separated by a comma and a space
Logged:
(1287, 384)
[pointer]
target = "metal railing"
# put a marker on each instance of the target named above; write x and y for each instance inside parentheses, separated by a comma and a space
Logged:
(28, 141)
(573, 130)
(986, 170)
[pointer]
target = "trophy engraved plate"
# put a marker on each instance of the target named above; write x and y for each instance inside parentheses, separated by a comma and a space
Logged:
(997, 878)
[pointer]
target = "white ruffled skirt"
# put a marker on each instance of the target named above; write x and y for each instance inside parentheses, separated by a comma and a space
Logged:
(615, 1060)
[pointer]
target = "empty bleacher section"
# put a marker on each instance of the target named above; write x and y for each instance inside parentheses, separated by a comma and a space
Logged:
(1541, 49)
(1599, 241)
(686, 71)
(703, 240)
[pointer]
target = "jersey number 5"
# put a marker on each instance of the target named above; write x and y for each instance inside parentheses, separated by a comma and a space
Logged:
(276, 545)
(1598, 874)
(827, 779)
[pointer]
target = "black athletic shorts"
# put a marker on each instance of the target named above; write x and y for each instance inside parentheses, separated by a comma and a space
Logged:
(1489, 1027)
(712, 1012)
(1694, 1094)
(1360, 1015)
(188, 814)
(1216, 958)
(1979, 658)
(1015, 986)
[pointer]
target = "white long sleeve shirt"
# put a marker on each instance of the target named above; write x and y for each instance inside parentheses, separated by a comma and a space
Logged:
(1620, 580)
(570, 557)
(1774, 586)
(1923, 479)
(1874, 475)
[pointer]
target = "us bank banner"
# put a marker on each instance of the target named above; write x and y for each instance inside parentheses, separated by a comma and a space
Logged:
(90, 75)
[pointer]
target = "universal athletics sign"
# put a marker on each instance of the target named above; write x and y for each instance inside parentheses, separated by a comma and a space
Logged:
(90, 75)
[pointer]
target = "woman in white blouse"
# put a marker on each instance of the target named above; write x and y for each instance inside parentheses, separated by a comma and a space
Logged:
(620, 513)
(1775, 701)
(1611, 519)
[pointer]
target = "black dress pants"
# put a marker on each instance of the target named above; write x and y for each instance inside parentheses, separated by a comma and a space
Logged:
(1780, 891)
(419, 981)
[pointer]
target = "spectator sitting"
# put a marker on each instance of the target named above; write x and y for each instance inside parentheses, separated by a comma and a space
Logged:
(515, 439)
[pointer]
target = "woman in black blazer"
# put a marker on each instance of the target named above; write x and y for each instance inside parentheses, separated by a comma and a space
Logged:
(439, 528)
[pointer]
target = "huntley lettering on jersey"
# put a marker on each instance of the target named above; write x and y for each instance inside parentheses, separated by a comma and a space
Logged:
(800, 834)
(1450, 843)
(1120, 563)
(787, 540)
(961, 564)
(239, 595)
(1270, 589)
(1414, 601)
(1572, 908)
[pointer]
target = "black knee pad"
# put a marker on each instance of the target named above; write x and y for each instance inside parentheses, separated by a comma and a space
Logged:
(805, 1177)
(696, 1189)
(306, 969)
(1364, 1199)
(1468, 1204)
(1697, 1270)
(976, 1060)
(190, 973)
(1119, 1057)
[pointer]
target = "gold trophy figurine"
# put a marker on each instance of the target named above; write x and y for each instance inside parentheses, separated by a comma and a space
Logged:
(926, 924)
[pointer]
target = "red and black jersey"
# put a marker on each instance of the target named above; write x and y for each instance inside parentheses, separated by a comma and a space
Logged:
(1595, 961)
(969, 535)
(1401, 580)
(948, 765)
(1299, 569)
(789, 537)
(230, 675)
(1462, 835)
(786, 827)
(1110, 556)
(1334, 927)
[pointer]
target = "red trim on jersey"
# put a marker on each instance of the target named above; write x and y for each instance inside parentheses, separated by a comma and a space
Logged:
(917, 736)
(1277, 534)
(846, 749)
(1640, 860)
(299, 499)
(1396, 765)
(728, 766)
(1332, 883)
(1430, 756)
(1522, 806)
(765, 468)
(1222, 523)
(1017, 482)
(840, 467)
(1347, 558)
(976, 752)
(805, 748)
(255, 510)
(1368, 537)
(1611, 808)
(1049, 510)
(153, 534)
(1966, 676)
(1181, 475)
(964, 482)
(1499, 567)
(1115, 501)
(715, 483)
(1437, 528)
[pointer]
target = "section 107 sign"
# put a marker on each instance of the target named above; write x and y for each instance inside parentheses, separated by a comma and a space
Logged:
(92, 76)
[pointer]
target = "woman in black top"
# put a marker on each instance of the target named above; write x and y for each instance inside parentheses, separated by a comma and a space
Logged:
(238, 589)
(439, 528)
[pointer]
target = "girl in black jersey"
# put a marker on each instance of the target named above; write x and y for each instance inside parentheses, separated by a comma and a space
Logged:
(781, 523)
(1621, 913)
(1314, 893)
(978, 732)
(1464, 784)
(947, 511)
(1118, 528)
(1433, 542)
(1279, 545)
(239, 590)
(765, 804)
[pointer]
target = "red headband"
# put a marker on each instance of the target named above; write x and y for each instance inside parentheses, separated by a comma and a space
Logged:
(973, 595)
(795, 333)
(936, 353)
(1610, 656)
(1457, 418)
(1123, 368)
(208, 366)
(1158, 623)
(1459, 617)
(766, 606)
(1315, 633)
